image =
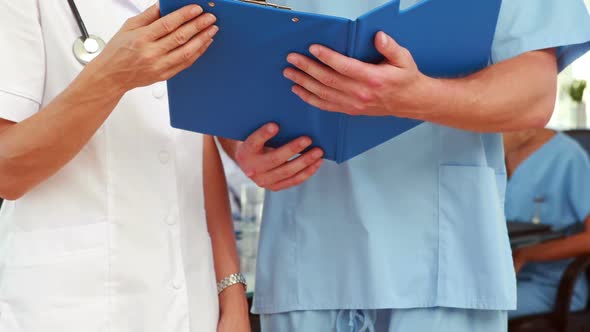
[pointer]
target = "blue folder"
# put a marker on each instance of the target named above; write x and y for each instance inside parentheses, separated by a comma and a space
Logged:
(238, 85)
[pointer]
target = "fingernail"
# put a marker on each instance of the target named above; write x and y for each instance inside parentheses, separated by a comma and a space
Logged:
(292, 58)
(249, 174)
(383, 38)
(196, 10)
(304, 142)
(287, 73)
(317, 154)
(211, 18)
(271, 129)
(314, 49)
(213, 31)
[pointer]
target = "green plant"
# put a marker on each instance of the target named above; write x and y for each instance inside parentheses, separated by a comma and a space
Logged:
(576, 90)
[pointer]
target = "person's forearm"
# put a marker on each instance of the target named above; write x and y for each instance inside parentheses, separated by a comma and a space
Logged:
(512, 95)
(36, 148)
(559, 249)
(220, 225)
(219, 220)
(568, 247)
(147, 49)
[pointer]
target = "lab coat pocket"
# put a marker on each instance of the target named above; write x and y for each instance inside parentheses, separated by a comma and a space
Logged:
(49, 246)
(474, 251)
(56, 279)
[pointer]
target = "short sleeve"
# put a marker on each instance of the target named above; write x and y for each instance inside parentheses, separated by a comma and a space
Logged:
(579, 183)
(529, 25)
(22, 59)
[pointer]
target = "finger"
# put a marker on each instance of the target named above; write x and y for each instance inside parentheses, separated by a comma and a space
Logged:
(186, 32)
(317, 102)
(182, 66)
(147, 17)
(392, 51)
(316, 87)
(188, 53)
(322, 73)
(291, 168)
(299, 178)
(255, 142)
(281, 156)
(349, 67)
(169, 23)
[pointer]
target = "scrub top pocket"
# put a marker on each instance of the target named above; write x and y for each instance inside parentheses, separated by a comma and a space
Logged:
(55, 280)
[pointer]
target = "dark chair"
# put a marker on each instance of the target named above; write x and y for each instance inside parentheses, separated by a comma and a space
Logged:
(254, 319)
(561, 319)
(582, 136)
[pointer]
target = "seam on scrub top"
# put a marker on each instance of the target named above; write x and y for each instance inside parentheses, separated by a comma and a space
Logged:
(468, 304)
(21, 95)
(437, 218)
(514, 47)
(110, 225)
(293, 223)
(438, 235)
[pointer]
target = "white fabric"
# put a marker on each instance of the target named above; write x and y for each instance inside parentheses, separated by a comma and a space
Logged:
(22, 60)
(115, 241)
(16, 107)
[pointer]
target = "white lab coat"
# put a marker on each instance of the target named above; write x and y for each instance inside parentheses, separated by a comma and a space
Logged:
(116, 241)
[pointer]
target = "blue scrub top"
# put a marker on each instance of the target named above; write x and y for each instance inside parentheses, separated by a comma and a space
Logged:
(559, 175)
(417, 221)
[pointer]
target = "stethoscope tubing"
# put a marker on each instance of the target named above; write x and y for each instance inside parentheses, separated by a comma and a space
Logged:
(81, 25)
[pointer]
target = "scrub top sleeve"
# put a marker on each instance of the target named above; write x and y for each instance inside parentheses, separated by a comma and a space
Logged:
(529, 25)
(22, 59)
(579, 182)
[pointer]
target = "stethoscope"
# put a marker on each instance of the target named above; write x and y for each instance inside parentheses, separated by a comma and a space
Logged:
(86, 47)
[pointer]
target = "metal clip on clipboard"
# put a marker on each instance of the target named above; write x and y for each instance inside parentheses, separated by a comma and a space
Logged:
(266, 3)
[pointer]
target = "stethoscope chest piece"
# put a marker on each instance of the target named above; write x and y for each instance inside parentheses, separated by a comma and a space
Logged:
(86, 50)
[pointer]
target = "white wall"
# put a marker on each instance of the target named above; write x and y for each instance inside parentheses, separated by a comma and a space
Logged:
(562, 116)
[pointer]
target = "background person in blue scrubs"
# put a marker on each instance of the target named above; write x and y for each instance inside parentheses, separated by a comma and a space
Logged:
(549, 180)
(411, 235)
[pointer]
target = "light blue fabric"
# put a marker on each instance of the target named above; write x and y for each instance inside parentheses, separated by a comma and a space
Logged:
(416, 222)
(559, 175)
(407, 320)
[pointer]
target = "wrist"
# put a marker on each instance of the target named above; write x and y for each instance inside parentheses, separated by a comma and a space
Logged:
(233, 300)
(425, 99)
(100, 98)
(521, 256)
(525, 254)
(97, 78)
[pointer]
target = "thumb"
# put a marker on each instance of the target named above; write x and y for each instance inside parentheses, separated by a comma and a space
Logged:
(147, 17)
(392, 51)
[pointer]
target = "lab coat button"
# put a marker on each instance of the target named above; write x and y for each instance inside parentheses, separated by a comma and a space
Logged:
(159, 90)
(171, 220)
(164, 157)
(177, 284)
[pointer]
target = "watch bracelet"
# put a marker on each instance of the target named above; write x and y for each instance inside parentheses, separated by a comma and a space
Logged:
(233, 279)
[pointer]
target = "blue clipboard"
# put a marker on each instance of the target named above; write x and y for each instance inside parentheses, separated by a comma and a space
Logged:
(238, 85)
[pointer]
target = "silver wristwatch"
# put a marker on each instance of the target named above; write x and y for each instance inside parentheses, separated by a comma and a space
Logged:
(236, 278)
